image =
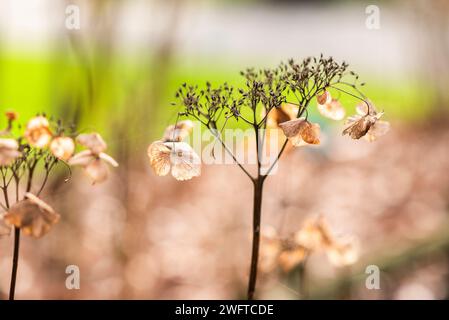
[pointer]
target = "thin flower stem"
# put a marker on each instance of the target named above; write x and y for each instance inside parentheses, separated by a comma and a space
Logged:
(352, 95)
(216, 135)
(15, 259)
(15, 263)
(257, 213)
(257, 217)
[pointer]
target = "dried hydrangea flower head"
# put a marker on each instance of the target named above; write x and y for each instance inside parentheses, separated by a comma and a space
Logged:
(314, 235)
(329, 107)
(285, 253)
(178, 132)
(292, 255)
(366, 123)
(32, 215)
(9, 151)
(301, 132)
(62, 148)
(93, 160)
(38, 132)
(179, 157)
(343, 252)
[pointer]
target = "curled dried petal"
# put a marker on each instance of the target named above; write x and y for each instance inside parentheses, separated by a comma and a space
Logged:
(8, 151)
(33, 216)
(324, 97)
(301, 131)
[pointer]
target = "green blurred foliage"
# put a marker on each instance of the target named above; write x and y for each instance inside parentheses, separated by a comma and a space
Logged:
(107, 93)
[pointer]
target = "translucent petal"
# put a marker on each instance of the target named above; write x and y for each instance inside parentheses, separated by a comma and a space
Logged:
(178, 132)
(159, 155)
(92, 141)
(62, 148)
(186, 164)
(108, 159)
(97, 170)
(332, 110)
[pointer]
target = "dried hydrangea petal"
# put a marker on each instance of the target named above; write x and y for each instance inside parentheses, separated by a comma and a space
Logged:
(378, 129)
(314, 235)
(33, 216)
(82, 158)
(92, 141)
(38, 132)
(301, 132)
(343, 253)
(97, 171)
(8, 151)
(108, 159)
(95, 165)
(284, 113)
(178, 132)
(62, 148)
(310, 133)
(357, 129)
(324, 97)
(293, 127)
(186, 164)
(290, 259)
(159, 155)
(332, 110)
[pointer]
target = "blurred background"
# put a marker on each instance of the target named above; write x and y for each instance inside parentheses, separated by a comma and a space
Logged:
(140, 236)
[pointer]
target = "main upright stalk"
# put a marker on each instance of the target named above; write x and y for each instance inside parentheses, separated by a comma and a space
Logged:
(257, 210)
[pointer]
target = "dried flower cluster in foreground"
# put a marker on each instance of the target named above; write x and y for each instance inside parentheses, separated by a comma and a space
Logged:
(46, 143)
(315, 236)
